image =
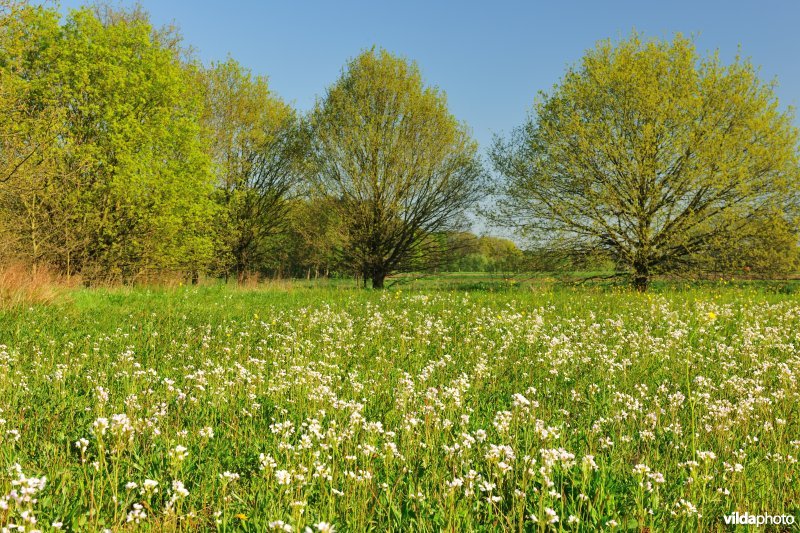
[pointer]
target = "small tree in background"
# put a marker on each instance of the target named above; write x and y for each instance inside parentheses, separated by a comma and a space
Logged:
(257, 146)
(651, 153)
(400, 167)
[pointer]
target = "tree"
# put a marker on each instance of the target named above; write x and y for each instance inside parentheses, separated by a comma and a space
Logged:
(313, 237)
(31, 122)
(134, 128)
(482, 254)
(650, 153)
(27, 117)
(398, 164)
(124, 186)
(257, 146)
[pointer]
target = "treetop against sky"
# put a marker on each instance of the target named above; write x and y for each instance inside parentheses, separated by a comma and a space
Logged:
(491, 58)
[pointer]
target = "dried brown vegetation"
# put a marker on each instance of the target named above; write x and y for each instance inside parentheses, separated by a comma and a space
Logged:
(22, 285)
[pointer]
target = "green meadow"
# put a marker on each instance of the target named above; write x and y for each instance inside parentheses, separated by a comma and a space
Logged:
(425, 409)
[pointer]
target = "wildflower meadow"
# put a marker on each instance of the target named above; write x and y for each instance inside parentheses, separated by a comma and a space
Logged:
(427, 410)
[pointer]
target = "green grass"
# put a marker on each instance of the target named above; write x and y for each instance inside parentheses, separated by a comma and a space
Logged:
(412, 409)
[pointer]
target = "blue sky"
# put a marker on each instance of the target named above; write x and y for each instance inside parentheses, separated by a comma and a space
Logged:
(491, 58)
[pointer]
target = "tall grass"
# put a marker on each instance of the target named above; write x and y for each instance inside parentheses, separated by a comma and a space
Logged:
(23, 285)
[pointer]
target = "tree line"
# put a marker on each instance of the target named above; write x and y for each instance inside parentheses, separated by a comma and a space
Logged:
(123, 157)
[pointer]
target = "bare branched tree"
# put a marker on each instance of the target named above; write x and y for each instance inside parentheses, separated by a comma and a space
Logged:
(258, 147)
(398, 164)
(651, 154)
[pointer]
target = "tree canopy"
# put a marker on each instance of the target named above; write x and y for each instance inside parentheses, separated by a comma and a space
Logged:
(258, 149)
(400, 167)
(123, 157)
(652, 153)
(118, 183)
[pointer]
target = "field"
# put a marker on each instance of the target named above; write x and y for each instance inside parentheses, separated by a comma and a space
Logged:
(410, 409)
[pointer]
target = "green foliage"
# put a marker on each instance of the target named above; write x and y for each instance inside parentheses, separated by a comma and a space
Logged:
(124, 185)
(258, 147)
(398, 165)
(471, 253)
(122, 158)
(650, 153)
(767, 247)
(309, 247)
(29, 119)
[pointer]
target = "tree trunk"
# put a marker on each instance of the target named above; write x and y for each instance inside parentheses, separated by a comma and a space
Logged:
(377, 280)
(641, 276)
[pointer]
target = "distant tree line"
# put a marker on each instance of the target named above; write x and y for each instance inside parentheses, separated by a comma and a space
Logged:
(472, 253)
(122, 158)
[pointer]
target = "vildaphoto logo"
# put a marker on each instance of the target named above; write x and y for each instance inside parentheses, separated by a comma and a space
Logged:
(747, 519)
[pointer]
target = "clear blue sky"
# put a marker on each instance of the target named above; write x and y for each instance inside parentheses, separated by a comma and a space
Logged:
(490, 58)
